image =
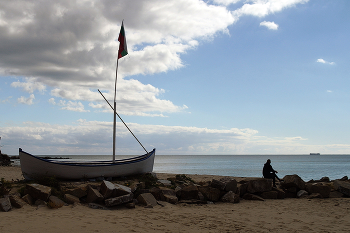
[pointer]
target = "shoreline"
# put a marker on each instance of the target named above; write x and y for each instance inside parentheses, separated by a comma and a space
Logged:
(271, 215)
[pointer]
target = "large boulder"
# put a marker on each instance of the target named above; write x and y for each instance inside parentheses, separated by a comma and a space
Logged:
(38, 191)
(16, 201)
(258, 185)
(291, 181)
(187, 192)
(269, 195)
(320, 188)
(342, 186)
(28, 199)
(210, 193)
(71, 199)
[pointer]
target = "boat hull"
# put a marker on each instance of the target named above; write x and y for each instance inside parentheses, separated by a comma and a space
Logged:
(34, 167)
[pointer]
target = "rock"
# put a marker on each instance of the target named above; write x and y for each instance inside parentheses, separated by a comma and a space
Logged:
(302, 193)
(5, 204)
(242, 188)
(188, 192)
(249, 196)
(38, 191)
(258, 185)
(322, 189)
(28, 199)
(71, 199)
(168, 195)
(79, 192)
(210, 193)
(280, 193)
(107, 189)
(293, 181)
(130, 205)
(121, 190)
(165, 182)
(230, 184)
(93, 195)
(325, 179)
(120, 200)
(231, 197)
(345, 178)
(342, 186)
(147, 199)
(97, 206)
(218, 184)
(269, 195)
(16, 201)
(55, 203)
(335, 194)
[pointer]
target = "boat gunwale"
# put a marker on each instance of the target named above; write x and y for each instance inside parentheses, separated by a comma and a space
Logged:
(96, 163)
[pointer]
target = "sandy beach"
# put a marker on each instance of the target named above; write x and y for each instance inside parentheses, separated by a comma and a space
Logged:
(280, 215)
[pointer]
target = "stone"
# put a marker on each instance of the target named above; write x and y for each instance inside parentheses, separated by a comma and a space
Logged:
(5, 204)
(249, 196)
(93, 195)
(293, 181)
(322, 189)
(280, 193)
(130, 205)
(16, 201)
(28, 199)
(210, 193)
(302, 193)
(165, 182)
(79, 192)
(120, 200)
(168, 195)
(147, 199)
(269, 195)
(121, 190)
(258, 185)
(231, 197)
(342, 186)
(242, 188)
(230, 184)
(38, 191)
(107, 189)
(188, 192)
(218, 184)
(55, 203)
(71, 199)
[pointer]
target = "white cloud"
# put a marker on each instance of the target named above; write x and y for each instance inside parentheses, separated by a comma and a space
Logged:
(261, 8)
(329, 91)
(226, 2)
(69, 105)
(24, 100)
(320, 60)
(269, 25)
(30, 86)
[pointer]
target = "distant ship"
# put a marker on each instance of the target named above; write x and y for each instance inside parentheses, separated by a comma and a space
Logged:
(314, 153)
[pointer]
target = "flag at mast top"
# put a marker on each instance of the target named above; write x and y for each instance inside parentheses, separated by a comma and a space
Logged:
(122, 43)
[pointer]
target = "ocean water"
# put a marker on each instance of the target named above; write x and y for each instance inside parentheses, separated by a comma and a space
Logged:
(306, 166)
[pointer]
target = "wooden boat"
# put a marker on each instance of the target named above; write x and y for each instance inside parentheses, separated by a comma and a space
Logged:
(34, 167)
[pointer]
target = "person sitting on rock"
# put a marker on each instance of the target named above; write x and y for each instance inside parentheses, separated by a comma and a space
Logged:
(269, 172)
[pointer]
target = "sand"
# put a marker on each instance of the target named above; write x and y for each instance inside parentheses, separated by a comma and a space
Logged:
(287, 215)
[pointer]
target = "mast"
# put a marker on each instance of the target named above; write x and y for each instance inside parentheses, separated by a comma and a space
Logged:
(121, 53)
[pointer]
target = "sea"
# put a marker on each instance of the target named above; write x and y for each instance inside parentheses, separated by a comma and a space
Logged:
(308, 167)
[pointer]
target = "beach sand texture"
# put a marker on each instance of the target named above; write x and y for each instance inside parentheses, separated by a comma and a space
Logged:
(286, 215)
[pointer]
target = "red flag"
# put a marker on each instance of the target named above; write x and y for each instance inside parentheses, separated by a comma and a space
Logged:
(122, 43)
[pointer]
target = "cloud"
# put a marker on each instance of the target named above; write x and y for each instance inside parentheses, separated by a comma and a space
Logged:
(69, 105)
(24, 100)
(269, 25)
(30, 86)
(329, 91)
(320, 60)
(262, 8)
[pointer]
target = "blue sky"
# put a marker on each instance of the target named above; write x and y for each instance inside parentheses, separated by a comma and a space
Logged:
(212, 77)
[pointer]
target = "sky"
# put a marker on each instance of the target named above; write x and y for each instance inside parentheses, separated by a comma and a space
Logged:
(201, 77)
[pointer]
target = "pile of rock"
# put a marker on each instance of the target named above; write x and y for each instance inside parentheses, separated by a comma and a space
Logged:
(179, 189)
(5, 160)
